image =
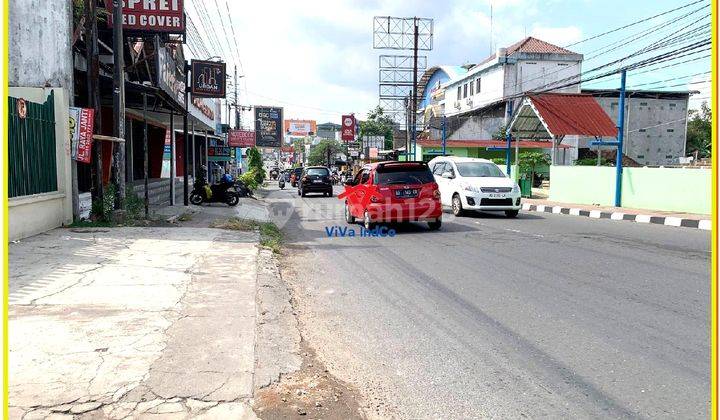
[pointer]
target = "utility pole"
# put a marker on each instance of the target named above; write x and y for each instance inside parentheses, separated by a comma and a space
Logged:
(414, 91)
(93, 93)
(186, 140)
(443, 125)
(508, 137)
(237, 112)
(621, 130)
(119, 106)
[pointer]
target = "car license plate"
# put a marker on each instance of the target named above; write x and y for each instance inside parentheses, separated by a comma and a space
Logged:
(317, 181)
(496, 195)
(408, 193)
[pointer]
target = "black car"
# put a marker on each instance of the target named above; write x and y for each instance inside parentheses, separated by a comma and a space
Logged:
(315, 179)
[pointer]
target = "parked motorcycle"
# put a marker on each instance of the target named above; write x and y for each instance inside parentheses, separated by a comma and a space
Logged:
(217, 193)
(242, 190)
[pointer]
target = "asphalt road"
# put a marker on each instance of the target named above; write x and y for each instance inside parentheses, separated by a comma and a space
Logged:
(543, 316)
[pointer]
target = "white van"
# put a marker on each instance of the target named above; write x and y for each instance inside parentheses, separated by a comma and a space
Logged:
(474, 184)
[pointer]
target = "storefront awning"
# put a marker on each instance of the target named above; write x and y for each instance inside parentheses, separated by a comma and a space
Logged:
(524, 144)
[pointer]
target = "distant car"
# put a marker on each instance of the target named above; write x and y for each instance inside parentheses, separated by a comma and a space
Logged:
(295, 175)
(475, 184)
(407, 193)
(315, 179)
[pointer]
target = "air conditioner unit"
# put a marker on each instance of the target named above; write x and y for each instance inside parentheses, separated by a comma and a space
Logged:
(457, 104)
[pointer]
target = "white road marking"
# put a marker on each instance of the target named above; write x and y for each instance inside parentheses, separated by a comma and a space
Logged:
(705, 224)
(617, 216)
(642, 218)
(673, 221)
(595, 214)
(575, 212)
(556, 209)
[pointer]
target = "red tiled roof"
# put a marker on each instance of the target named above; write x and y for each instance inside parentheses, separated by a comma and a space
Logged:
(573, 114)
(526, 144)
(533, 46)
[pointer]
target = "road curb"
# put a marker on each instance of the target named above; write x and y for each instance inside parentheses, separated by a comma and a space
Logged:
(638, 218)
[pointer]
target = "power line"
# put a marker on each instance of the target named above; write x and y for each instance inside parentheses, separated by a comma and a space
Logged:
(634, 23)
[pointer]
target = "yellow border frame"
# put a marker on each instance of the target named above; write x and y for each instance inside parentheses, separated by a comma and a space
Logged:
(713, 257)
(714, 262)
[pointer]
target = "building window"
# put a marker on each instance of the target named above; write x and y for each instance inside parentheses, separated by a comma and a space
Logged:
(562, 64)
(465, 88)
(477, 85)
(459, 92)
(668, 156)
(642, 130)
(670, 130)
(643, 103)
(641, 156)
(672, 105)
(472, 87)
(613, 104)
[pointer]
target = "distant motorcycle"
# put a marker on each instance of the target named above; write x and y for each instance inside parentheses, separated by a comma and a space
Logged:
(281, 182)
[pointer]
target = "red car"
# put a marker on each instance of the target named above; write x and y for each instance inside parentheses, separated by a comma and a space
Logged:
(393, 192)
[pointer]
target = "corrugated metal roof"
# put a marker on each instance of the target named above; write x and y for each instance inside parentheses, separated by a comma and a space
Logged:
(561, 114)
(489, 143)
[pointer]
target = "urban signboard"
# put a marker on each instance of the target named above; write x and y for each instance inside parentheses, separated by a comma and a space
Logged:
(171, 71)
(300, 127)
(166, 16)
(81, 133)
(241, 138)
(208, 79)
(219, 154)
(348, 128)
(268, 126)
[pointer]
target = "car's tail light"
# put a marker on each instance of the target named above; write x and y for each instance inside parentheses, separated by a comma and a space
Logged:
(436, 193)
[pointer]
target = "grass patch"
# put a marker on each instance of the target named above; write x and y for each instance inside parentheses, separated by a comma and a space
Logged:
(270, 235)
(185, 217)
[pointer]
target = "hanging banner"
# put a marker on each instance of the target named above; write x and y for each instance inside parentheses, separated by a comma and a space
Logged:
(241, 138)
(151, 16)
(348, 128)
(208, 79)
(268, 126)
(300, 127)
(171, 71)
(82, 122)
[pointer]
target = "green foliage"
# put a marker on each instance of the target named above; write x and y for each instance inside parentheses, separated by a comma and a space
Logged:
(270, 235)
(593, 162)
(531, 161)
(498, 160)
(378, 124)
(249, 178)
(318, 154)
(255, 164)
(699, 131)
(500, 133)
(134, 205)
(101, 209)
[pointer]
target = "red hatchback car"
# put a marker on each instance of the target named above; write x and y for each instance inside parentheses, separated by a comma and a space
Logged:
(393, 192)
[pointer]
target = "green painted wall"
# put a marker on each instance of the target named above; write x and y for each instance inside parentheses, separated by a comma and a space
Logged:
(665, 189)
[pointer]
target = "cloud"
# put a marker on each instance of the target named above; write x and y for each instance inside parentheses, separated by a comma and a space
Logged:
(704, 88)
(557, 35)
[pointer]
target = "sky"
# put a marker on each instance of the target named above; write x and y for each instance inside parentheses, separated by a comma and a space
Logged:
(316, 58)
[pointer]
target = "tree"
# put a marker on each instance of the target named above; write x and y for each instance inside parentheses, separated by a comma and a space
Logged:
(530, 161)
(699, 131)
(319, 153)
(500, 133)
(378, 124)
(255, 164)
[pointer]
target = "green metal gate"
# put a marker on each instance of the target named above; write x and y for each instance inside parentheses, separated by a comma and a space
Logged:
(32, 151)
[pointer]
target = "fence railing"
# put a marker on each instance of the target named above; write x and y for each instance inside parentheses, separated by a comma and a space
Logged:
(32, 148)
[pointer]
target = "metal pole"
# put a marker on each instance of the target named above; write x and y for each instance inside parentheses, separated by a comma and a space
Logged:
(145, 156)
(620, 126)
(93, 94)
(237, 112)
(508, 137)
(207, 163)
(172, 158)
(118, 104)
(186, 142)
(414, 92)
(192, 147)
(444, 128)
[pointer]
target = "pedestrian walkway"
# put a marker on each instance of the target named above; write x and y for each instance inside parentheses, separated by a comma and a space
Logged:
(699, 221)
(133, 322)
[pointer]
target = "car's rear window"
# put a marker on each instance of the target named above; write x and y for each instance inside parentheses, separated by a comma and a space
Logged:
(318, 171)
(403, 174)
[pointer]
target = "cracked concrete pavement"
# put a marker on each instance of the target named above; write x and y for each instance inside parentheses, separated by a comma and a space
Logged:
(133, 322)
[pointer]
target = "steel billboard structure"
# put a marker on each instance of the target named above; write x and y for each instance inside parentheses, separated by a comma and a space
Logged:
(398, 74)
